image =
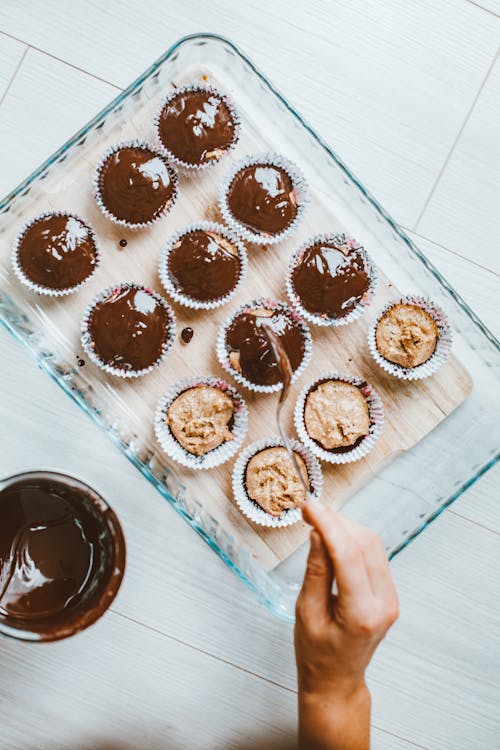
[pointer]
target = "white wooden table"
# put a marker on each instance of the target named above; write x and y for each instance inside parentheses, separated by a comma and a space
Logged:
(408, 92)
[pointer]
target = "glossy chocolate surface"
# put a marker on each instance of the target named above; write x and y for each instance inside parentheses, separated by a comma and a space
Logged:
(57, 252)
(136, 184)
(62, 556)
(204, 265)
(330, 279)
(187, 334)
(247, 338)
(196, 126)
(262, 197)
(129, 329)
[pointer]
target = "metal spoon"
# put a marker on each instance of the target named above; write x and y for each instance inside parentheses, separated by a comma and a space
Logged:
(286, 372)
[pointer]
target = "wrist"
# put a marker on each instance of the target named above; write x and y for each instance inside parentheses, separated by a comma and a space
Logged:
(335, 690)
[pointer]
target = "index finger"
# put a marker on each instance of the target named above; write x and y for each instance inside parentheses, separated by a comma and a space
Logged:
(346, 555)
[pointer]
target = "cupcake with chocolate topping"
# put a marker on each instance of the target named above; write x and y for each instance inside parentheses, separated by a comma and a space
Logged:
(411, 338)
(266, 486)
(55, 253)
(202, 265)
(244, 349)
(339, 418)
(196, 126)
(201, 422)
(134, 185)
(128, 330)
(263, 198)
(331, 280)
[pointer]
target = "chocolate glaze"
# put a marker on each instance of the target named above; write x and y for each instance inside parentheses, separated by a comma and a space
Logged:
(247, 337)
(187, 334)
(136, 184)
(57, 252)
(196, 126)
(342, 448)
(262, 197)
(330, 279)
(129, 328)
(204, 265)
(62, 556)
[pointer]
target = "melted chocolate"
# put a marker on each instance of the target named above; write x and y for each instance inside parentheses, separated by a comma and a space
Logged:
(262, 197)
(204, 265)
(196, 126)
(247, 338)
(187, 334)
(57, 252)
(123, 243)
(136, 184)
(62, 556)
(330, 279)
(129, 329)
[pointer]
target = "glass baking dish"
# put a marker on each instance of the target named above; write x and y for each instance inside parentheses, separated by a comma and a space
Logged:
(419, 483)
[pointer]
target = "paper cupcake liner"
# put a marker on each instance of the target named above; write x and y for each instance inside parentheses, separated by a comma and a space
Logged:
(443, 344)
(365, 301)
(376, 414)
(86, 336)
(97, 193)
(184, 299)
(218, 455)
(38, 288)
(223, 354)
(196, 87)
(301, 191)
(253, 511)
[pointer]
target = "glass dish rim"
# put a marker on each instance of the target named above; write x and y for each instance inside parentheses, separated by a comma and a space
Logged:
(80, 400)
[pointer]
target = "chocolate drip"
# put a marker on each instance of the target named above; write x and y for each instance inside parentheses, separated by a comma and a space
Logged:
(196, 126)
(187, 334)
(262, 197)
(330, 280)
(204, 265)
(136, 184)
(251, 350)
(129, 328)
(57, 252)
(62, 556)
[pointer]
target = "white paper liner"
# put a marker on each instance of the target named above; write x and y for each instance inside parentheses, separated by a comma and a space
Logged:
(210, 90)
(301, 192)
(86, 336)
(270, 304)
(365, 301)
(443, 344)
(38, 288)
(97, 192)
(218, 455)
(376, 414)
(184, 299)
(253, 511)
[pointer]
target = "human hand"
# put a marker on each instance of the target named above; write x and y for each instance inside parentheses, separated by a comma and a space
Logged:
(336, 635)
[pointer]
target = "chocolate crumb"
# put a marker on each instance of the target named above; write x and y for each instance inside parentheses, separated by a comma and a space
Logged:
(187, 334)
(123, 243)
(81, 362)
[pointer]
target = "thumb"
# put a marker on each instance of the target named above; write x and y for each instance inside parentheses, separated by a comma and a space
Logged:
(314, 597)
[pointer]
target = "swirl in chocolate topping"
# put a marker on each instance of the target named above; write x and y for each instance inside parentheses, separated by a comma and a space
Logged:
(250, 351)
(136, 184)
(331, 278)
(262, 197)
(196, 126)
(57, 252)
(204, 265)
(129, 328)
(62, 556)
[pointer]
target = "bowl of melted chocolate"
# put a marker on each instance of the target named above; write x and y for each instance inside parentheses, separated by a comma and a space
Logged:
(134, 185)
(202, 266)
(196, 126)
(246, 351)
(62, 556)
(55, 253)
(331, 280)
(264, 199)
(128, 330)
